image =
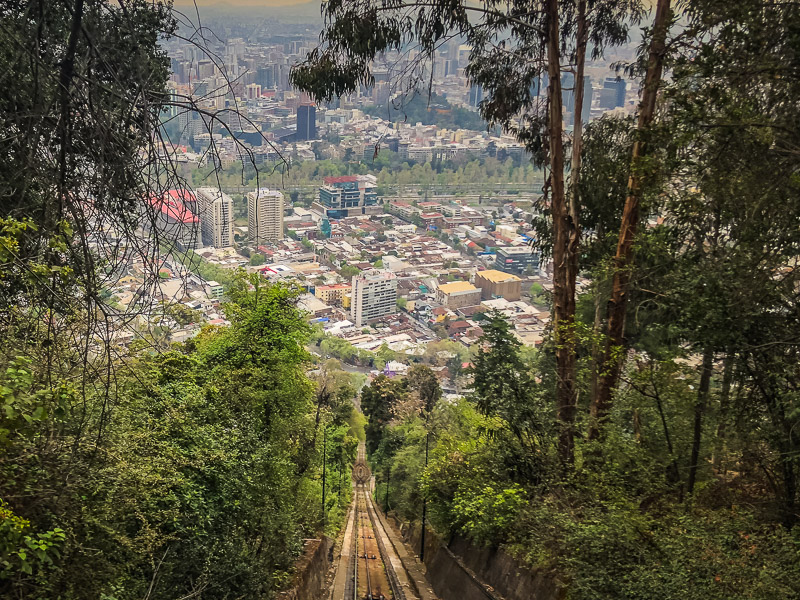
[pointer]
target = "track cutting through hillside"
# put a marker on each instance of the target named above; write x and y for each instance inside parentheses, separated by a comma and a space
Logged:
(373, 571)
(371, 576)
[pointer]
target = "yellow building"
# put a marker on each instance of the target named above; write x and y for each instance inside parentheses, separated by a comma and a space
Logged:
(458, 294)
(333, 294)
(496, 284)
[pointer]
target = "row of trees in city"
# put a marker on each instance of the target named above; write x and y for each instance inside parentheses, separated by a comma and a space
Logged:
(391, 171)
(433, 110)
(652, 450)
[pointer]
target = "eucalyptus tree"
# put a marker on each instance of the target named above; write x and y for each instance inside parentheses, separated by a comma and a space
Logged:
(623, 259)
(512, 46)
(726, 283)
(736, 87)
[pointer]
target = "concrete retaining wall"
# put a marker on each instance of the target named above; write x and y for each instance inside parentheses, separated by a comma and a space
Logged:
(311, 569)
(462, 571)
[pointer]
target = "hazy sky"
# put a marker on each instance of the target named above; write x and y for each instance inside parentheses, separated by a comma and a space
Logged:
(242, 2)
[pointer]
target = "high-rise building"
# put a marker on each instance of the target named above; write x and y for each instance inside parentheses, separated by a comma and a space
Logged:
(216, 217)
(616, 96)
(265, 215)
(539, 85)
(306, 122)
(475, 95)
(265, 77)
(253, 91)
(374, 295)
(348, 196)
(586, 111)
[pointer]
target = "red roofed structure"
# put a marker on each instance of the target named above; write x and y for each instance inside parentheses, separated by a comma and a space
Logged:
(175, 221)
(185, 196)
(173, 207)
(340, 179)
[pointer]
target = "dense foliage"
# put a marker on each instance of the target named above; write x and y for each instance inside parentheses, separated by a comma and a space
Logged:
(202, 476)
(152, 471)
(618, 529)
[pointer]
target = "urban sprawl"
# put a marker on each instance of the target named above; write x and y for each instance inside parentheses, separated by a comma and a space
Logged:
(382, 273)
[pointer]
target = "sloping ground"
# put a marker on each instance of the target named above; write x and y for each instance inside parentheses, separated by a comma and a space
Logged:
(462, 571)
(310, 572)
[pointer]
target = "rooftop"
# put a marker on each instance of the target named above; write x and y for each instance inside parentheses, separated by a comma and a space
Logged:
(182, 195)
(497, 276)
(171, 205)
(342, 179)
(508, 250)
(457, 286)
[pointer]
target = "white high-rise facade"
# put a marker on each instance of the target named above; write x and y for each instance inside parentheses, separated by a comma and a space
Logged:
(374, 295)
(216, 217)
(265, 215)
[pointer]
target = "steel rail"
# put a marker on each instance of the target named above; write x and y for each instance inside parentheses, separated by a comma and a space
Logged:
(366, 556)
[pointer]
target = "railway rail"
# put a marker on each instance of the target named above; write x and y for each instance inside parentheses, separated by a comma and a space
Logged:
(372, 574)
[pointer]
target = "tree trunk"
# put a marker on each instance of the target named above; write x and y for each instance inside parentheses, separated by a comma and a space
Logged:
(598, 322)
(623, 260)
(563, 290)
(573, 198)
(673, 475)
(699, 409)
(577, 128)
(722, 421)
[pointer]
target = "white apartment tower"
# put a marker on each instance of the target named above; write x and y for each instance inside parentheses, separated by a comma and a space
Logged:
(374, 295)
(216, 217)
(265, 215)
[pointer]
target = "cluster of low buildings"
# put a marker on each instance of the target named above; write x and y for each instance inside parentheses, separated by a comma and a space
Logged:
(410, 282)
(371, 270)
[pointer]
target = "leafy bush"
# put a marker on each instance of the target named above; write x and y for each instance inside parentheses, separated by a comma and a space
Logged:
(203, 476)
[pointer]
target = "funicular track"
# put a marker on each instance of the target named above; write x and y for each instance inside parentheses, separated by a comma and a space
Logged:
(373, 575)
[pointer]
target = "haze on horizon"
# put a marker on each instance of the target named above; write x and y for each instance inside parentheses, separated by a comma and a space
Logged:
(243, 3)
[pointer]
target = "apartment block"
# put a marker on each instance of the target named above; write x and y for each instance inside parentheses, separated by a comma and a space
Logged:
(348, 196)
(265, 215)
(214, 290)
(332, 294)
(374, 295)
(215, 209)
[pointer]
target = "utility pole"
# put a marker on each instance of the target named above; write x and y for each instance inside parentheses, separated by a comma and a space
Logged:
(386, 497)
(324, 470)
(424, 503)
